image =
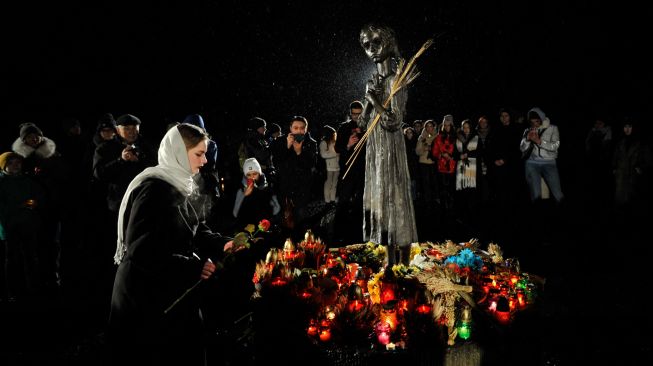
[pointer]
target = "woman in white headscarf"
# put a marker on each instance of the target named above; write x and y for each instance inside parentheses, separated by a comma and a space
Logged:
(163, 250)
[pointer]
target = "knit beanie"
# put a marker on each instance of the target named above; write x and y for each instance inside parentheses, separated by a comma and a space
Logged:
(252, 165)
(4, 159)
(195, 119)
(448, 119)
(27, 128)
(127, 120)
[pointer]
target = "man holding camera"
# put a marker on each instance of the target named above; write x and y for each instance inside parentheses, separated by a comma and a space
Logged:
(294, 157)
(349, 210)
(117, 162)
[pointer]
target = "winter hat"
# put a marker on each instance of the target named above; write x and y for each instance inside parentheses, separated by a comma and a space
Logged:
(27, 128)
(195, 119)
(4, 159)
(255, 123)
(106, 121)
(251, 165)
(127, 120)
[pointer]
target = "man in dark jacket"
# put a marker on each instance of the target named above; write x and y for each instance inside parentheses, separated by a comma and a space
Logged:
(349, 211)
(294, 156)
(117, 162)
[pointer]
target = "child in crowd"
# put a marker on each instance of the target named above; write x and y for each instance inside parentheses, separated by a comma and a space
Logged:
(254, 200)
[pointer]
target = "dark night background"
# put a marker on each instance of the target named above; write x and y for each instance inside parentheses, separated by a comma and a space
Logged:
(230, 60)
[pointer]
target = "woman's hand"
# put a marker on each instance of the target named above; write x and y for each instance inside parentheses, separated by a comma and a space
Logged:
(208, 269)
(229, 246)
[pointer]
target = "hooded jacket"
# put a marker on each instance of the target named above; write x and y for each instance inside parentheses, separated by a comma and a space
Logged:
(547, 150)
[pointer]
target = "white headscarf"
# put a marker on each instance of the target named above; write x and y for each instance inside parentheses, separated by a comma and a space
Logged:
(173, 168)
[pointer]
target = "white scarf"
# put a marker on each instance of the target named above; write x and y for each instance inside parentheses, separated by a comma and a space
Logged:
(173, 168)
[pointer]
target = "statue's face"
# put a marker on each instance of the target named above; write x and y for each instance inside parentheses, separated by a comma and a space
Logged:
(374, 45)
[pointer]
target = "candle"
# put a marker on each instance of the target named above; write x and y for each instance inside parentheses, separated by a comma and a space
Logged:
(289, 256)
(424, 309)
(325, 335)
(493, 306)
(402, 307)
(330, 314)
(503, 317)
(387, 291)
(503, 310)
(465, 326)
(384, 338)
(278, 281)
(353, 271)
(520, 298)
(389, 316)
(514, 279)
(355, 306)
(312, 330)
(464, 330)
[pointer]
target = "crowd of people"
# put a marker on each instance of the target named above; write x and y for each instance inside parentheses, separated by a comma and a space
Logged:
(61, 198)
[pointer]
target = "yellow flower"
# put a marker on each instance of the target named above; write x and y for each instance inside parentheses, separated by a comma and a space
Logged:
(250, 228)
(374, 289)
(415, 249)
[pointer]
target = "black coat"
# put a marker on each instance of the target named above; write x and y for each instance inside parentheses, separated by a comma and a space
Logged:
(109, 167)
(295, 172)
(165, 242)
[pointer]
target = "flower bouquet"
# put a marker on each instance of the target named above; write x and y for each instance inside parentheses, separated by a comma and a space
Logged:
(242, 240)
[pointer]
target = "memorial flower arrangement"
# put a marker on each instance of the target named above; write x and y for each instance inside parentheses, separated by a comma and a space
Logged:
(355, 300)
